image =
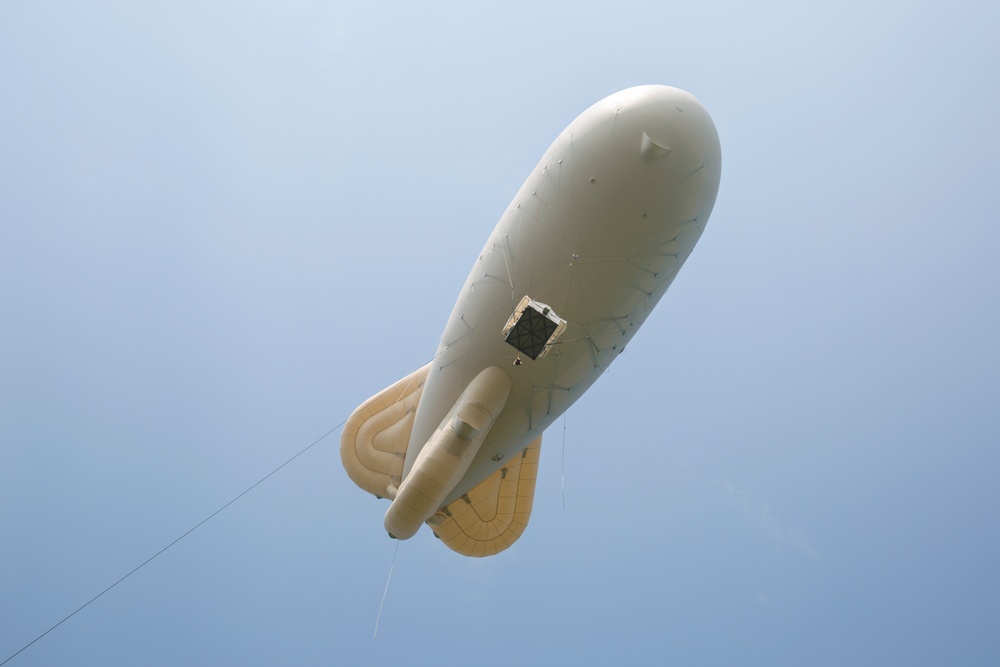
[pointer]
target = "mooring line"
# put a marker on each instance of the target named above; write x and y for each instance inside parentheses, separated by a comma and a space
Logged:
(191, 530)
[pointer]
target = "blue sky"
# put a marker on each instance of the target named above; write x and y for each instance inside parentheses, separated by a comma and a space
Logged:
(222, 227)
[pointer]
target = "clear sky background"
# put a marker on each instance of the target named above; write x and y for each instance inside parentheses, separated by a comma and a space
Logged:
(224, 225)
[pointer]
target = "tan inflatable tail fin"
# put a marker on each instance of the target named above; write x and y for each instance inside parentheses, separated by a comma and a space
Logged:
(494, 514)
(375, 437)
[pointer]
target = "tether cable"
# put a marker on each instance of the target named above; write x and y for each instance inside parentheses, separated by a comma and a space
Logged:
(191, 530)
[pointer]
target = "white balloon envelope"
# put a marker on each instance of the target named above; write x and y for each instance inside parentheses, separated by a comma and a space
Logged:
(585, 250)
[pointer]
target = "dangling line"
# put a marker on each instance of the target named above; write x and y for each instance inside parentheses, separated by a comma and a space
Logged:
(562, 473)
(191, 530)
(386, 591)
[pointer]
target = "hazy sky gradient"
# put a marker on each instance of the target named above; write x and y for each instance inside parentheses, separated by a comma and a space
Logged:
(224, 225)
